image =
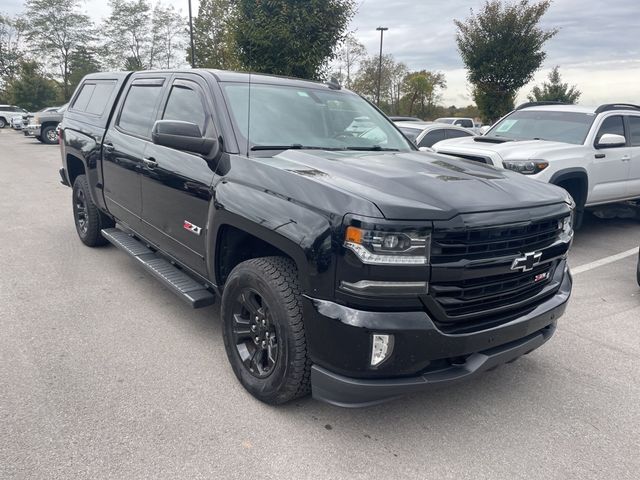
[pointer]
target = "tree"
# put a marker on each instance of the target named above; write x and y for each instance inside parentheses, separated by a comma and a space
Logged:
(31, 89)
(82, 62)
(56, 30)
(128, 33)
(11, 52)
(554, 90)
(290, 37)
(501, 46)
(349, 56)
(391, 81)
(422, 92)
(213, 38)
(168, 31)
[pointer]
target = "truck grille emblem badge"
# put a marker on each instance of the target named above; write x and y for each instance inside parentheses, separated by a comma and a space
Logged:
(191, 227)
(527, 261)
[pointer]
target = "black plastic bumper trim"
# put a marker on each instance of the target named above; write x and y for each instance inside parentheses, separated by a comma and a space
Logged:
(352, 393)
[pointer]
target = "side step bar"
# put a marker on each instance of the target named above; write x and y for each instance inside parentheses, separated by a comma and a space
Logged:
(192, 292)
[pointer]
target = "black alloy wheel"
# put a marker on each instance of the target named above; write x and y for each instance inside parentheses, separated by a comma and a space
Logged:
(254, 333)
(81, 211)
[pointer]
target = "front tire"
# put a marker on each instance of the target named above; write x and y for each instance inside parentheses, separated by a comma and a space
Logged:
(263, 329)
(88, 219)
(49, 135)
(3, 122)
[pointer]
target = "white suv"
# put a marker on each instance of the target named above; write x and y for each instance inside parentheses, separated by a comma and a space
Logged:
(594, 153)
(7, 112)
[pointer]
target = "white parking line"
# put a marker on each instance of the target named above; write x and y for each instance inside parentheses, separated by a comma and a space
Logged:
(604, 261)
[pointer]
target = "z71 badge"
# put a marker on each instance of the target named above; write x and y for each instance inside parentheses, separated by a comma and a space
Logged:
(191, 227)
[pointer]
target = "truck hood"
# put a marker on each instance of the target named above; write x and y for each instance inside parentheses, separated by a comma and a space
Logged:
(514, 150)
(418, 185)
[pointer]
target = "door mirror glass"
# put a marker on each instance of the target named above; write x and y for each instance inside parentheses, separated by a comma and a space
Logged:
(609, 140)
(181, 136)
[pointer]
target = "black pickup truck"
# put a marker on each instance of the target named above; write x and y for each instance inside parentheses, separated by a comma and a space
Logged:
(348, 263)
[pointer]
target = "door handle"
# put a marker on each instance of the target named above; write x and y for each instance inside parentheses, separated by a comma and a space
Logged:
(150, 162)
(626, 158)
(600, 155)
(108, 147)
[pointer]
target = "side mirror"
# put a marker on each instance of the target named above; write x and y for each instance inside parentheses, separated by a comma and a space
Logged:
(610, 140)
(181, 136)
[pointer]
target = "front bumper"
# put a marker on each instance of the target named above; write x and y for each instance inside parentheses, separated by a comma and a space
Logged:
(33, 130)
(423, 356)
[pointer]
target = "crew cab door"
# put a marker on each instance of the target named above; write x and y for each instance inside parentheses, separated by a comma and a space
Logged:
(124, 144)
(176, 185)
(609, 172)
(633, 186)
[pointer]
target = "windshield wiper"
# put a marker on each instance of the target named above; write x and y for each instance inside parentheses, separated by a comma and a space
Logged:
(374, 148)
(293, 146)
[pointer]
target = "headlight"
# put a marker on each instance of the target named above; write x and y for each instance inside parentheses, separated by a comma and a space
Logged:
(526, 167)
(380, 247)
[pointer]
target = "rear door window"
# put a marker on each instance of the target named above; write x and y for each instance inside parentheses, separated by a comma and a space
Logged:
(139, 109)
(634, 130)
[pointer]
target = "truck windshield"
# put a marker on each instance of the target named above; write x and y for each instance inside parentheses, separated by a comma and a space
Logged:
(567, 127)
(274, 117)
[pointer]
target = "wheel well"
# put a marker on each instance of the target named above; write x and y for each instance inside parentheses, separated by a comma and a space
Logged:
(48, 124)
(577, 187)
(234, 246)
(75, 167)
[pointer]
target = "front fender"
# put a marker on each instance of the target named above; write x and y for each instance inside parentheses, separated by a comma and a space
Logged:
(302, 233)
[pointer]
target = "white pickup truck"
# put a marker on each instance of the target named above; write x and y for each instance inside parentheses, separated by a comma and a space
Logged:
(594, 153)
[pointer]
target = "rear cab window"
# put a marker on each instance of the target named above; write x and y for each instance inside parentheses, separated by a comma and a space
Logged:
(138, 112)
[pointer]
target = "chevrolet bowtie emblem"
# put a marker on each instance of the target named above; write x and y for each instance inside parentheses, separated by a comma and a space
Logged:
(526, 262)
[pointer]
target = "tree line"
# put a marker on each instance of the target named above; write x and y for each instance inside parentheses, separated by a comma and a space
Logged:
(46, 51)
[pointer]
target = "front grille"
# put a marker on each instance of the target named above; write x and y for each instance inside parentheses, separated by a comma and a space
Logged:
(473, 286)
(460, 299)
(453, 245)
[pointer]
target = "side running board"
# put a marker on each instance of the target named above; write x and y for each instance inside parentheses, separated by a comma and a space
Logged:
(192, 292)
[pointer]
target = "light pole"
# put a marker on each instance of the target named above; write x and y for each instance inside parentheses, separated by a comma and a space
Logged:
(382, 30)
(193, 59)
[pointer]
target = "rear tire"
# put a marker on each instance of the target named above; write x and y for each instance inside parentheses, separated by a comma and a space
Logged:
(3, 122)
(88, 219)
(263, 329)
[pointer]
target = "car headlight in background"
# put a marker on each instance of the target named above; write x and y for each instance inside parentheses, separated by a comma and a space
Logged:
(526, 167)
(380, 247)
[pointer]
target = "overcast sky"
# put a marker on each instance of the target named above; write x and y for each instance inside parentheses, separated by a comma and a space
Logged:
(597, 47)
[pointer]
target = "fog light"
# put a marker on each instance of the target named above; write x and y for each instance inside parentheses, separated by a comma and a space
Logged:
(381, 349)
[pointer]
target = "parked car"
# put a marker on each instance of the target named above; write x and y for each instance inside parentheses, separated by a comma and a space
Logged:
(458, 121)
(358, 269)
(405, 119)
(7, 112)
(44, 125)
(425, 134)
(27, 118)
(593, 153)
(16, 122)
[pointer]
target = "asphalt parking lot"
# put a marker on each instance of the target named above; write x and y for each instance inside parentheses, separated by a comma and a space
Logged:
(104, 374)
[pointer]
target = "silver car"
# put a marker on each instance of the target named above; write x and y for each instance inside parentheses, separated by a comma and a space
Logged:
(426, 134)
